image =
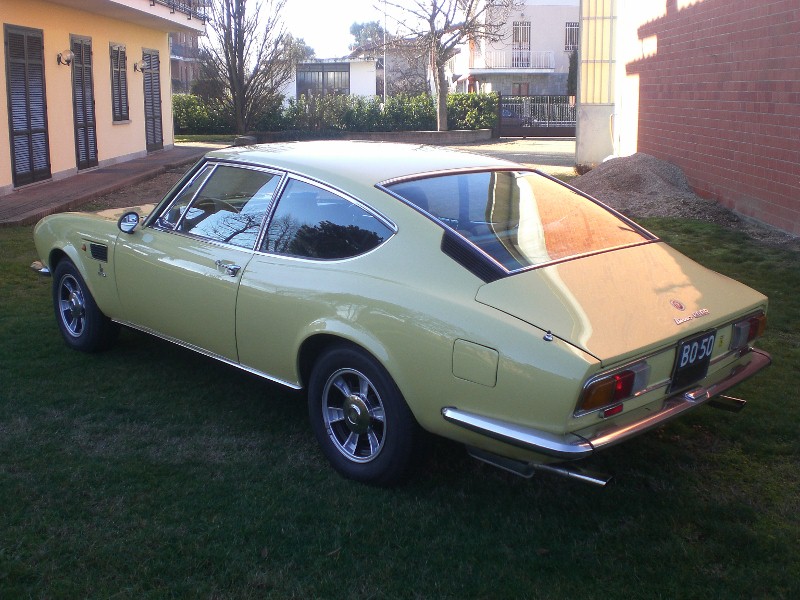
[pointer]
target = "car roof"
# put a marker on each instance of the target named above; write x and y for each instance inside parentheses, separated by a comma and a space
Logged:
(357, 163)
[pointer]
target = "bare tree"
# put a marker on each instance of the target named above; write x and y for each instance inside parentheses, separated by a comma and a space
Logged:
(250, 56)
(438, 27)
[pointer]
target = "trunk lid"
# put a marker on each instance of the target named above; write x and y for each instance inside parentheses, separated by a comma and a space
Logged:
(619, 304)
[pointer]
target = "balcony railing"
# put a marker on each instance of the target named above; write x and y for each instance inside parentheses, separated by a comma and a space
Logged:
(193, 9)
(542, 60)
(184, 51)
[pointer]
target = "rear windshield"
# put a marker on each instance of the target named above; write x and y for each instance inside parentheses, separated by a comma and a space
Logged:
(519, 218)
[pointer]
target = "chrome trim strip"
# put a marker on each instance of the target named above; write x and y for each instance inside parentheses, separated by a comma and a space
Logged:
(204, 352)
(563, 446)
(488, 168)
(571, 446)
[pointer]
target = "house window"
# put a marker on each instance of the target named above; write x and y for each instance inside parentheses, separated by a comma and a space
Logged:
(521, 44)
(571, 36)
(323, 79)
(119, 83)
(519, 89)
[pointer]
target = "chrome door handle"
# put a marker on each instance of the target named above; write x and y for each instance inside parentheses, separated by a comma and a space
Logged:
(228, 268)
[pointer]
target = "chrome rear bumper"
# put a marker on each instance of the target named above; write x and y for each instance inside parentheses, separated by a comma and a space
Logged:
(571, 446)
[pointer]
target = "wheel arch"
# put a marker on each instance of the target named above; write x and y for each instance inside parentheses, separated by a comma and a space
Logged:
(68, 252)
(315, 345)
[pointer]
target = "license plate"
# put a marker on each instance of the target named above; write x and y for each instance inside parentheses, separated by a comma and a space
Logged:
(691, 363)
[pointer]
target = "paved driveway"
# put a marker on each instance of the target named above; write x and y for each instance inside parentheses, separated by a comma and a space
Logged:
(552, 155)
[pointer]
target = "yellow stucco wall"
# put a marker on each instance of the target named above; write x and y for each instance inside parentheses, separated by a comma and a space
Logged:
(114, 141)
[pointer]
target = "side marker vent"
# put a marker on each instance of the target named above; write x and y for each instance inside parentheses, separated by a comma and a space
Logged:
(99, 252)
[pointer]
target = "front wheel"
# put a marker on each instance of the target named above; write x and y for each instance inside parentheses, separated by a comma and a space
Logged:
(83, 326)
(360, 419)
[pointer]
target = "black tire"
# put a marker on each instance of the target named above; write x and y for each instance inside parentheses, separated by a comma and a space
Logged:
(83, 326)
(360, 419)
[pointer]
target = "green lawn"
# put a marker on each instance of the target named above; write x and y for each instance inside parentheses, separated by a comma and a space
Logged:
(149, 471)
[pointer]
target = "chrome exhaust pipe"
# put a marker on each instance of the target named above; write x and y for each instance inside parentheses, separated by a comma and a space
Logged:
(528, 470)
(577, 474)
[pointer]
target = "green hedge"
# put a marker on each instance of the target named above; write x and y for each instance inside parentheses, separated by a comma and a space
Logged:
(471, 111)
(191, 115)
(331, 114)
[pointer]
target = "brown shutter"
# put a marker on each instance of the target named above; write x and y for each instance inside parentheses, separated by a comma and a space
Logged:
(83, 103)
(27, 108)
(152, 100)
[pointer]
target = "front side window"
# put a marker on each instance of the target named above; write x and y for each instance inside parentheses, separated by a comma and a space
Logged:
(311, 222)
(222, 203)
(520, 219)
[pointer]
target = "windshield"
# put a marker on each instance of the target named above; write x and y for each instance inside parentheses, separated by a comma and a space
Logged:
(520, 218)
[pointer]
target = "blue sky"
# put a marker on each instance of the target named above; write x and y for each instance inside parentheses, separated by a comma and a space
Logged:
(325, 24)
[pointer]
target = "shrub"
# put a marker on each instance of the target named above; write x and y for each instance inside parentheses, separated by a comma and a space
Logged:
(190, 114)
(471, 111)
(329, 115)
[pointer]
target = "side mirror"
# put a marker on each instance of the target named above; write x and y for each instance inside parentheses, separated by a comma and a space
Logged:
(128, 222)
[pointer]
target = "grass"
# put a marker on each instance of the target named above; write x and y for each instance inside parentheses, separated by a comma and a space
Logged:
(149, 472)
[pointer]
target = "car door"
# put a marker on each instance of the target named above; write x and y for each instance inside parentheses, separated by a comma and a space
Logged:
(178, 277)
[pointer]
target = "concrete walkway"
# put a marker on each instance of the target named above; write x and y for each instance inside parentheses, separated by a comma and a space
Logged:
(31, 203)
(553, 155)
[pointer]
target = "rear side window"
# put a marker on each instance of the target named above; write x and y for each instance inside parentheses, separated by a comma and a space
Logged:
(311, 222)
(520, 219)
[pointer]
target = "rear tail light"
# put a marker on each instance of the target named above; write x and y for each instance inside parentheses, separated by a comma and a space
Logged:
(747, 330)
(608, 390)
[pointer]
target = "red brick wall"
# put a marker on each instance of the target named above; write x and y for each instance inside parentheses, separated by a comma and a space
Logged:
(721, 99)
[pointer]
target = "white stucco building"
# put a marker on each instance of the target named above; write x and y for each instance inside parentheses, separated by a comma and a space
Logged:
(341, 76)
(531, 59)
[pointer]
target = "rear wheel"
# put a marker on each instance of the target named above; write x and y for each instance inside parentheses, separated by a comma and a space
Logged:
(83, 326)
(360, 418)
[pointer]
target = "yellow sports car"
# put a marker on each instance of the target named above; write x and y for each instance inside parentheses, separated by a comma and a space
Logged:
(411, 289)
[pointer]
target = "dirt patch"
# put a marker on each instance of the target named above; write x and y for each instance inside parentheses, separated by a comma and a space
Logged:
(643, 186)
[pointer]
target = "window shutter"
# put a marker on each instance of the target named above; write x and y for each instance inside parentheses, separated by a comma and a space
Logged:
(83, 99)
(119, 84)
(152, 100)
(27, 106)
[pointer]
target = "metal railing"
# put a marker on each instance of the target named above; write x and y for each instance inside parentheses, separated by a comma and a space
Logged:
(191, 8)
(538, 111)
(185, 51)
(543, 60)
